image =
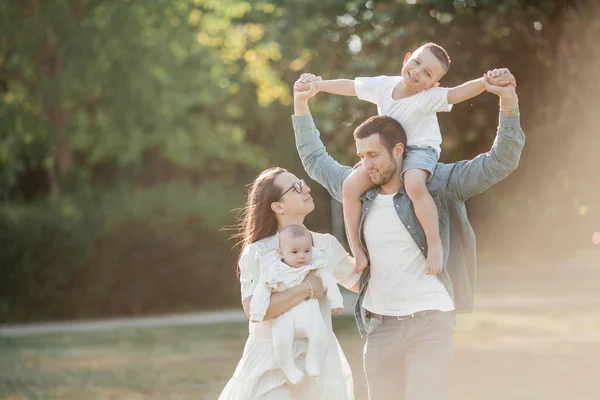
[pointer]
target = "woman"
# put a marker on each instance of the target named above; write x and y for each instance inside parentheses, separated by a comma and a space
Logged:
(277, 199)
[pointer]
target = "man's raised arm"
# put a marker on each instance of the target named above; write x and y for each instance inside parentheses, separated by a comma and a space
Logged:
(319, 165)
(469, 178)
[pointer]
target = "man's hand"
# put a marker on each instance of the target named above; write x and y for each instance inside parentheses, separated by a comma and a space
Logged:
(301, 97)
(508, 93)
(493, 84)
(304, 87)
(501, 77)
(301, 86)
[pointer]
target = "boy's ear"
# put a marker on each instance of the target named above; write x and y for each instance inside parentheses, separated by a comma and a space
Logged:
(435, 84)
(406, 57)
(280, 252)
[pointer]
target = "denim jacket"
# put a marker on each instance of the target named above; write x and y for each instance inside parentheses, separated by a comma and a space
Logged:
(450, 186)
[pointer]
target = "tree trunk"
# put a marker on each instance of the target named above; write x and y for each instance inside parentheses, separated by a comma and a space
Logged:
(54, 186)
(49, 64)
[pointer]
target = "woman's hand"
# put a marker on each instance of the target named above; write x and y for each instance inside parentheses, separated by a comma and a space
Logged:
(280, 302)
(316, 284)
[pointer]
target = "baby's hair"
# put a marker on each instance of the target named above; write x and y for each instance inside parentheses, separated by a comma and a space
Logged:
(439, 53)
(295, 231)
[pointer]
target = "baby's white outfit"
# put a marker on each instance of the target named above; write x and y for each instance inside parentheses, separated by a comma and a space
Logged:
(304, 320)
(257, 374)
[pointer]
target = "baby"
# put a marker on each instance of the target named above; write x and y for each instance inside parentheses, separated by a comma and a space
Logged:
(280, 270)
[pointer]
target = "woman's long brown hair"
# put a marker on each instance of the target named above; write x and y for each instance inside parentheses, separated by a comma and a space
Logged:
(257, 219)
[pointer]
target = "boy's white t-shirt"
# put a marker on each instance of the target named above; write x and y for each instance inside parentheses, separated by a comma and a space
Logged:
(416, 114)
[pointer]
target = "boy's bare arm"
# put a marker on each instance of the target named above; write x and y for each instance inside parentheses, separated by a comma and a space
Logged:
(466, 91)
(473, 88)
(342, 87)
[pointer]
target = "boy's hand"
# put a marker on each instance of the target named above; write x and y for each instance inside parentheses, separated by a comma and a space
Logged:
(301, 87)
(360, 260)
(501, 91)
(306, 86)
(303, 83)
(501, 77)
(337, 310)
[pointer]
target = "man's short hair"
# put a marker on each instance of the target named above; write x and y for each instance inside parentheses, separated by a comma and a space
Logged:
(390, 131)
(439, 53)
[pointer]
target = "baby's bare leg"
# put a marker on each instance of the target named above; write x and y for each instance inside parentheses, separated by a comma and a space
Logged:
(353, 187)
(427, 214)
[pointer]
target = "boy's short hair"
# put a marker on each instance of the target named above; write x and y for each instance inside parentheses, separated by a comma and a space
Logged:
(439, 53)
(390, 131)
(296, 231)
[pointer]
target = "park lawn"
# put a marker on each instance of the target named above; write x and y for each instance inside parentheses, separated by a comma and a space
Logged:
(183, 362)
(499, 354)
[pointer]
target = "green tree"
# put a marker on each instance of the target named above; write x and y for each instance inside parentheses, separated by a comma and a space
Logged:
(89, 81)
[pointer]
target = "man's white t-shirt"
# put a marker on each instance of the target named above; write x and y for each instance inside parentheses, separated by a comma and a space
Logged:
(398, 283)
(416, 114)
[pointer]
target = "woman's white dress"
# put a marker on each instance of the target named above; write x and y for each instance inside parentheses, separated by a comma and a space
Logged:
(257, 375)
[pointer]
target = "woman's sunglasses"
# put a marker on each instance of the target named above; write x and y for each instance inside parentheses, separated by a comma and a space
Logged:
(298, 186)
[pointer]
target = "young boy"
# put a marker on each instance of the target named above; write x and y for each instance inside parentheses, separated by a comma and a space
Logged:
(413, 99)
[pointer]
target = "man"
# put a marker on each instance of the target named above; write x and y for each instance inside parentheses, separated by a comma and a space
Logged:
(408, 316)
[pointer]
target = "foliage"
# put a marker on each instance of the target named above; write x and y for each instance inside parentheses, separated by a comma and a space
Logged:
(121, 252)
(133, 119)
(88, 82)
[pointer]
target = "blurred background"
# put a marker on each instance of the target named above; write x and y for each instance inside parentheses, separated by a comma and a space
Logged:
(129, 131)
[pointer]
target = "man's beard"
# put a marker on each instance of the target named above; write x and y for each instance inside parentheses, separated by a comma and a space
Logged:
(386, 175)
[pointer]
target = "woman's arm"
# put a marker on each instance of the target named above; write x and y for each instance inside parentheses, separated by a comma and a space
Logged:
(280, 302)
(344, 272)
(334, 295)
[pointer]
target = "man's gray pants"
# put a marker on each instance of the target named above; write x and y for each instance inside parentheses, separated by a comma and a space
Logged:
(409, 359)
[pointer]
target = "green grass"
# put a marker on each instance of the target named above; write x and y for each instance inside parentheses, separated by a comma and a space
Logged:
(499, 354)
(145, 363)
(174, 362)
